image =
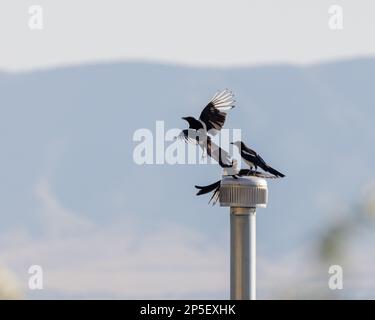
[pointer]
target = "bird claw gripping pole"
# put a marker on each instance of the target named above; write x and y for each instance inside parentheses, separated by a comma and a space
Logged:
(243, 195)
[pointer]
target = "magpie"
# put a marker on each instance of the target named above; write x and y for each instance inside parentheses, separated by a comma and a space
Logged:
(212, 117)
(254, 160)
(211, 121)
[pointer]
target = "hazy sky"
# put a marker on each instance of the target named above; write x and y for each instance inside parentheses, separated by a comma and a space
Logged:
(215, 32)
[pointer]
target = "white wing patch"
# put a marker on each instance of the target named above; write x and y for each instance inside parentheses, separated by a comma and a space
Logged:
(223, 100)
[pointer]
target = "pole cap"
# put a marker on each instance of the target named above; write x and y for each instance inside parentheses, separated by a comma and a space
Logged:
(246, 192)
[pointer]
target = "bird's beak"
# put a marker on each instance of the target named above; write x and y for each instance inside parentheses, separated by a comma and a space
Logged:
(183, 118)
(232, 143)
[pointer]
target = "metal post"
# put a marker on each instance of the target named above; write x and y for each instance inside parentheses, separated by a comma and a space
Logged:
(243, 196)
(239, 253)
(253, 254)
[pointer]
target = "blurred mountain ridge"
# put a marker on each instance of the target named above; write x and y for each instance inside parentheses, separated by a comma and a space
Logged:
(74, 127)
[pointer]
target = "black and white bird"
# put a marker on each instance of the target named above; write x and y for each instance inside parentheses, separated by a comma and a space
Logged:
(254, 160)
(212, 118)
(210, 122)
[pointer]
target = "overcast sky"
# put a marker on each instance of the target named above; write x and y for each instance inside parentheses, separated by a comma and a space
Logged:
(209, 32)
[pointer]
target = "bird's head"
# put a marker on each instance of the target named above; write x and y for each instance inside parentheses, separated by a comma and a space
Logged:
(238, 144)
(188, 119)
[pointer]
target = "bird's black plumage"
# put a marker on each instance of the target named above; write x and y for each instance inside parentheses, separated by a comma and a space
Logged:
(254, 160)
(215, 187)
(210, 121)
(194, 124)
(213, 115)
(219, 154)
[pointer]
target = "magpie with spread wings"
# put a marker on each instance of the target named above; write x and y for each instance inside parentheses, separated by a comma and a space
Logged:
(254, 160)
(212, 117)
(211, 121)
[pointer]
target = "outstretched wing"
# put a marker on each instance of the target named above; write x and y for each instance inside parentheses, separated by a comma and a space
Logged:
(212, 115)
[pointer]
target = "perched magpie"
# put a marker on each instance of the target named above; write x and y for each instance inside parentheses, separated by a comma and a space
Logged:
(254, 160)
(211, 120)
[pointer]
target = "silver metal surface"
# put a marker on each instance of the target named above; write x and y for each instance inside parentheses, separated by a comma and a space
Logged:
(239, 254)
(247, 192)
(243, 196)
(253, 255)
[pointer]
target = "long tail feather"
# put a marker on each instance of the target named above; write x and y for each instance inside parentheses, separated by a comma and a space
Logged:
(248, 172)
(207, 189)
(214, 187)
(275, 172)
(215, 196)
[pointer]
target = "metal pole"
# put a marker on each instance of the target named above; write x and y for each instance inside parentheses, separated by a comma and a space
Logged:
(242, 253)
(243, 195)
(253, 254)
(239, 253)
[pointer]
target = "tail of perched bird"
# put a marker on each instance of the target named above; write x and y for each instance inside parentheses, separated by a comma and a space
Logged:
(254, 173)
(274, 172)
(207, 189)
(215, 187)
